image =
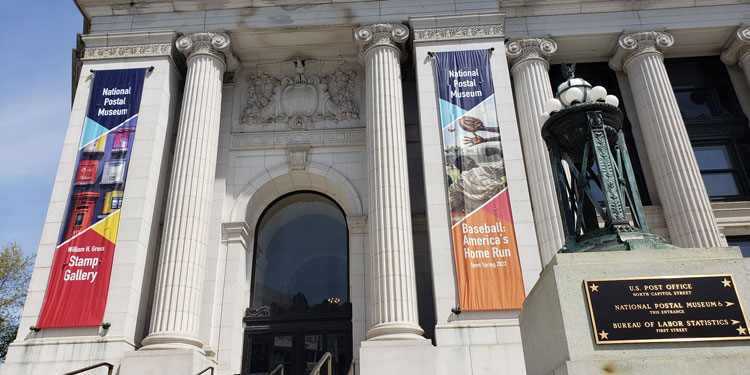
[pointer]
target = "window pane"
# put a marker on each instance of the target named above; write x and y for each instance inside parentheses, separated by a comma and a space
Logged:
(301, 255)
(743, 245)
(693, 103)
(712, 157)
(720, 184)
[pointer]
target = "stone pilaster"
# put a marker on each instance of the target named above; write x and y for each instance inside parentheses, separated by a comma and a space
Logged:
(176, 309)
(529, 65)
(687, 209)
(393, 280)
(738, 50)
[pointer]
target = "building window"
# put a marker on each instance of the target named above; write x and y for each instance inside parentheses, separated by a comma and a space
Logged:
(600, 74)
(718, 129)
(743, 242)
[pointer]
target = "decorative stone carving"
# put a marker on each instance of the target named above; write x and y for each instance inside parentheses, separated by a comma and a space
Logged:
(739, 47)
(314, 138)
(381, 34)
(209, 43)
(298, 157)
(458, 33)
(118, 52)
(301, 99)
(522, 50)
(636, 44)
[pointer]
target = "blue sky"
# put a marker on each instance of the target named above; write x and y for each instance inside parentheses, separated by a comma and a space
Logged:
(37, 39)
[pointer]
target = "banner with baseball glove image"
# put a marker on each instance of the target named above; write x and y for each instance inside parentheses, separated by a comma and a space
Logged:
(484, 242)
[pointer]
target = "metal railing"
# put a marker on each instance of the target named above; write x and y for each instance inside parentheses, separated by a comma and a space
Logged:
(110, 367)
(325, 358)
(278, 370)
(206, 369)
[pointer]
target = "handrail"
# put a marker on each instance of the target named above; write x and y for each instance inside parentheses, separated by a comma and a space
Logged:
(206, 369)
(319, 365)
(110, 367)
(278, 368)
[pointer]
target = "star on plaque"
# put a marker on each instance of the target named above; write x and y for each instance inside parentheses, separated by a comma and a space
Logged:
(742, 330)
(605, 335)
(594, 288)
(726, 283)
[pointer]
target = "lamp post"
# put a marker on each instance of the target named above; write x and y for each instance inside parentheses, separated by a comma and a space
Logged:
(583, 131)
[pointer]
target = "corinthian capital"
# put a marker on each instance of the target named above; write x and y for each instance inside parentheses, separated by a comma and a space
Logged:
(380, 35)
(523, 50)
(208, 43)
(636, 44)
(738, 47)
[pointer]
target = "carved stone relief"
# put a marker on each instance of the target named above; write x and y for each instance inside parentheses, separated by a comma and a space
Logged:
(301, 98)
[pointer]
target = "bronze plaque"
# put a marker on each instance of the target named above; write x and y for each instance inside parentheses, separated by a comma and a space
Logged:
(666, 309)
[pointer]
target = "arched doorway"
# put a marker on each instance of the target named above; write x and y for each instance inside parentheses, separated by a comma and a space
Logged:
(299, 306)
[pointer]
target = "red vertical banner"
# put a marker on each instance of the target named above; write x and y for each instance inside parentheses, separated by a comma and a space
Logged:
(488, 268)
(79, 277)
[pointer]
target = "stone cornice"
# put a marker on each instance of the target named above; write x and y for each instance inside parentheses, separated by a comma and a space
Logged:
(632, 45)
(380, 35)
(738, 48)
(130, 45)
(528, 49)
(458, 33)
(216, 44)
(285, 139)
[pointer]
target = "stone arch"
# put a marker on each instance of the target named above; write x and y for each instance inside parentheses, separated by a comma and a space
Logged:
(270, 185)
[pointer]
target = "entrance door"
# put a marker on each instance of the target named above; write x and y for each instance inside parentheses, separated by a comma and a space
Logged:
(300, 296)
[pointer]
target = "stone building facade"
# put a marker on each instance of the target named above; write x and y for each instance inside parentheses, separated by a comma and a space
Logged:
(253, 103)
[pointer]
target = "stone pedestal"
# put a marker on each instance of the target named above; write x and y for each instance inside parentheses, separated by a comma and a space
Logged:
(556, 326)
(167, 361)
(404, 357)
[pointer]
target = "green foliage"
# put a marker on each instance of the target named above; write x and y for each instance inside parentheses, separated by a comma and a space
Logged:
(15, 273)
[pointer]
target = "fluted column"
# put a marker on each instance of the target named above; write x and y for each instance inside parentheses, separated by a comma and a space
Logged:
(393, 283)
(738, 51)
(687, 210)
(529, 67)
(176, 309)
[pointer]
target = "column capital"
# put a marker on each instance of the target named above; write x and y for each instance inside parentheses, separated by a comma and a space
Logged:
(738, 47)
(632, 45)
(522, 50)
(215, 44)
(380, 35)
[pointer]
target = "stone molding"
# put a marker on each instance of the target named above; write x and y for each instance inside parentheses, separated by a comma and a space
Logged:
(119, 52)
(214, 44)
(357, 224)
(738, 48)
(380, 35)
(301, 98)
(285, 139)
(522, 50)
(458, 33)
(632, 45)
(233, 232)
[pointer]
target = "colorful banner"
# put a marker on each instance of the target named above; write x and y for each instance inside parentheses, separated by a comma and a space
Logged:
(484, 241)
(79, 277)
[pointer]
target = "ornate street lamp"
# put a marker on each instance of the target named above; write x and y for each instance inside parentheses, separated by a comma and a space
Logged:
(583, 131)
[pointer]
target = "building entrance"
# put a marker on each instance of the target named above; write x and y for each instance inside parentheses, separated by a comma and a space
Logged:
(300, 305)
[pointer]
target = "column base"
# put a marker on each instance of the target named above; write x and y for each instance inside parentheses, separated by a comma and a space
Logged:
(395, 331)
(171, 340)
(397, 357)
(167, 361)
